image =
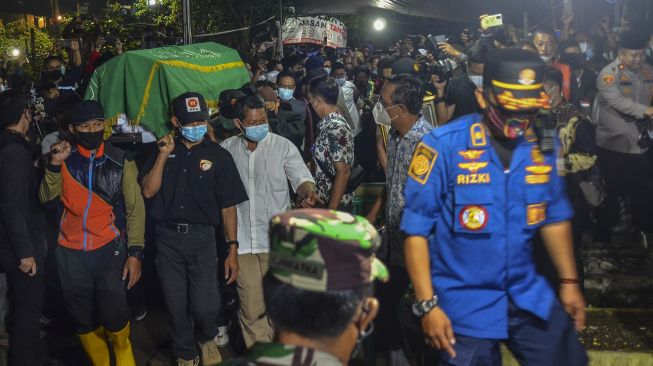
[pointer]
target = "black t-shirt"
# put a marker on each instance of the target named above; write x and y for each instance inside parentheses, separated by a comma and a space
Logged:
(460, 91)
(196, 184)
(583, 87)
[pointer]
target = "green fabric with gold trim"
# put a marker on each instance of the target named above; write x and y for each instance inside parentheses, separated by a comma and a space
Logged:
(141, 84)
(324, 250)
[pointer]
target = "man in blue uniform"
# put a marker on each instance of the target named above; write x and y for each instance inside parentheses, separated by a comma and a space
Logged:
(479, 188)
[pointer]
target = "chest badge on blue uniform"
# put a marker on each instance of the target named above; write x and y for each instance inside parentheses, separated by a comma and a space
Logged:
(474, 166)
(539, 174)
(473, 217)
(471, 154)
(423, 162)
(205, 165)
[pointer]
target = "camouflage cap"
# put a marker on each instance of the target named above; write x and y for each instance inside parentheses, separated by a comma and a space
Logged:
(324, 250)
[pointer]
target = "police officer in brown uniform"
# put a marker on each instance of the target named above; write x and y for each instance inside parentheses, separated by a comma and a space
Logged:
(625, 88)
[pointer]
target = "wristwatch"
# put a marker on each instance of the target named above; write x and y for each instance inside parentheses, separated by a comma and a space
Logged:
(421, 308)
(233, 242)
(136, 252)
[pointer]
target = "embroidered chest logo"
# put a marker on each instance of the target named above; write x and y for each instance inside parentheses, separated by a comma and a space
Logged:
(539, 169)
(539, 174)
(473, 166)
(471, 154)
(205, 165)
(473, 218)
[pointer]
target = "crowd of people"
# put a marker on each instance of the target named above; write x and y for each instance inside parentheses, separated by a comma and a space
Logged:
(498, 153)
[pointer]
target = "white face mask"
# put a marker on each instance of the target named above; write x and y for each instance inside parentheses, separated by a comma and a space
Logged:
(381, 115)
(546, 58)
(583, 47)
(477, 80)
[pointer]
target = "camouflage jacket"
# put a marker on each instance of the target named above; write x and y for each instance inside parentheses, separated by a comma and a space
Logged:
(275, 354)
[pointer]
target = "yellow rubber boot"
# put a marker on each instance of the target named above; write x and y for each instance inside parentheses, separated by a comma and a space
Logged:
(96, 347)
(122, 347)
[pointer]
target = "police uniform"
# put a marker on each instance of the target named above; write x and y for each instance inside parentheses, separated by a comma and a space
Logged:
(623, 97)
(480, 217)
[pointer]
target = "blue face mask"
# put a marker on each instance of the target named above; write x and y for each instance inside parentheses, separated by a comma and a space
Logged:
(256, 133)
(341, 81)
(194, 133)
(328, 70)
(286, 94)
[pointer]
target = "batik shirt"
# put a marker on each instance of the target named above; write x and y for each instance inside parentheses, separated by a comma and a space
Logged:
(334, 143)
(400, 153)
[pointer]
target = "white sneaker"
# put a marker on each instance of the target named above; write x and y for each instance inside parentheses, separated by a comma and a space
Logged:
(222, 339)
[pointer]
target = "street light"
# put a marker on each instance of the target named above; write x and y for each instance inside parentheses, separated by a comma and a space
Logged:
(152, 2)
(13, 52)
(379, 24)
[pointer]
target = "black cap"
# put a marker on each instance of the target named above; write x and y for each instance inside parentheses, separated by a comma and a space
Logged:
(633, 40)
(516, 77)
(315, 74)
(86, 110)
(227, 102)
(190, 107)
(405, 65)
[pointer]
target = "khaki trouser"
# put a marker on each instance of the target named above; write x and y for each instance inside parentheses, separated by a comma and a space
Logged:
(255, 324)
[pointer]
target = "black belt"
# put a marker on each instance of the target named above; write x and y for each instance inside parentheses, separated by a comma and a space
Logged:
(183, 228)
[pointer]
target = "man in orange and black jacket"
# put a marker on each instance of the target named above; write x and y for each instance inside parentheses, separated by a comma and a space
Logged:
(102, 209)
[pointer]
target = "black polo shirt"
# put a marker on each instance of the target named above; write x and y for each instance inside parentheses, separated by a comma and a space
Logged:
(196, 184)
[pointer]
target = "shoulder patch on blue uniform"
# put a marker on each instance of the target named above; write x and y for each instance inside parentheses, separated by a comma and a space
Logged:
(530, 135)
(422, 163)
(477, 135)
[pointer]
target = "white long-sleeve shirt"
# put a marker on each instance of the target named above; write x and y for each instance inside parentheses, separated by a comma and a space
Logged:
(265, 172)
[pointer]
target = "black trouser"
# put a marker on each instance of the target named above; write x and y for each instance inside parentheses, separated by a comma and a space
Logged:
(187, 268)
(387, 335)
(629, 176)
(26, 302)
(93, 289)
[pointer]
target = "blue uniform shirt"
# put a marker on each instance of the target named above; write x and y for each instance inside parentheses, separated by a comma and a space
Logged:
(480, 219)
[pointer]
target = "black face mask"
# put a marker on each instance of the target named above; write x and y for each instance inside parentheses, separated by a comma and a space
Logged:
(54, 75)
(50, 105)
(90, 140)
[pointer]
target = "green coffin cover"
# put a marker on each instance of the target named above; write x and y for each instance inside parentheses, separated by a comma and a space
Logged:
(141, 84)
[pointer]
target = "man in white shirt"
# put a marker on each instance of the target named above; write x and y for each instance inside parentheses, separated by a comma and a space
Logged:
(347, 93)
(266, 163)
